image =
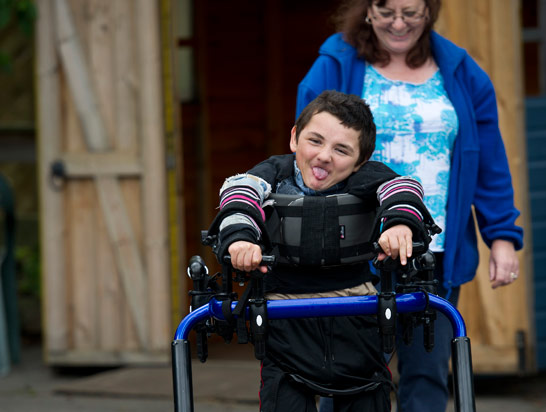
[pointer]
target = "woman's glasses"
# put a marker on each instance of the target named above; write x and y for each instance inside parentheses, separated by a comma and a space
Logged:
(386, 17)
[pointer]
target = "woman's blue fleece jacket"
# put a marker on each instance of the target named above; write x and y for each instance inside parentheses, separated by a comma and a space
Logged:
(480, 176)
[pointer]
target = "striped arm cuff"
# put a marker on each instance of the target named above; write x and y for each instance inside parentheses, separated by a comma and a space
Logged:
(399, 185)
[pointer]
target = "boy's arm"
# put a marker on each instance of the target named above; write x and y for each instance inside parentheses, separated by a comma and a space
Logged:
(401, 203)
(241, 217)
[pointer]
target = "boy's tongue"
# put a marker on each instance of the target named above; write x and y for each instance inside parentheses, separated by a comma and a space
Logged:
(319, 173)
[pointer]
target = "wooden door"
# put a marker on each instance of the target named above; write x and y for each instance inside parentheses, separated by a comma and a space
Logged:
(102, 182)
(500, 322)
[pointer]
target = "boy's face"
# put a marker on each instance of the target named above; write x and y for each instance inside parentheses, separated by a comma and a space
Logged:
(326, 151)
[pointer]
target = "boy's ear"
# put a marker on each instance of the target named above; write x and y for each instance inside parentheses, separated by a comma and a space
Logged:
(293, 141)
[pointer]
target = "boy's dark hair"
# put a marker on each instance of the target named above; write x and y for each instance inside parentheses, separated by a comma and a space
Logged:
(350, 19)
(352, 112)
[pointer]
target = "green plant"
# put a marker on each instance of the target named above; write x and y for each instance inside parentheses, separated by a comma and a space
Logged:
(19, 12)
(28, 268)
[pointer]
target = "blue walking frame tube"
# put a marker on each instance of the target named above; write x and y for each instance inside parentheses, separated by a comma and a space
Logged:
(463, 381)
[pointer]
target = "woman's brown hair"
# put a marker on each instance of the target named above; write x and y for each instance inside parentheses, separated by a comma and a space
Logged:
(350, 19)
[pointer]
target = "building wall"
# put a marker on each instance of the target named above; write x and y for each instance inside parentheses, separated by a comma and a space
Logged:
(536, 141)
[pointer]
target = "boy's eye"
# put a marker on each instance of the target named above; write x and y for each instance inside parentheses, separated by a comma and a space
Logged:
(342, 151)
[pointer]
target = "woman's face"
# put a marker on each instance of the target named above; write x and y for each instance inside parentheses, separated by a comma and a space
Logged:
(399, 24)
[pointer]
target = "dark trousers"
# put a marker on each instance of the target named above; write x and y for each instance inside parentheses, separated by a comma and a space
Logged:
(278, 393)
(423, 385)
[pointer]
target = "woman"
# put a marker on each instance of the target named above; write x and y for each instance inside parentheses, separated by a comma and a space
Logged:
(436, 118)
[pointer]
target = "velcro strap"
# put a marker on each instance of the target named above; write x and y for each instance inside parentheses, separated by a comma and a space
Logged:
(226, 311)
(331, 232)
(312, 221)
(241, 305)
(242, 331)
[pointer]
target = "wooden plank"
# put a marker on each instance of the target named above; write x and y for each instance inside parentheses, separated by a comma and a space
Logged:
(128, 257)
(490, 31)
(82, 264)
(101, 64)
(109, 293)
(52, 223)
(127, 136)
(480, 31)
(154, 181)
(79, 80)
(72, 140)
(487, 359)
(131, 190)
(501, 325)
(109, 290)
(80, 206)
(508, 79)
(126, 79)
(127, 253)
(85, 165)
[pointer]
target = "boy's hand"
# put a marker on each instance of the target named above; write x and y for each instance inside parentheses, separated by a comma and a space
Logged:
(396, 241)
(246, 256)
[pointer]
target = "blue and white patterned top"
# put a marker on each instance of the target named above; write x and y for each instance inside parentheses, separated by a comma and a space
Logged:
(416, 128)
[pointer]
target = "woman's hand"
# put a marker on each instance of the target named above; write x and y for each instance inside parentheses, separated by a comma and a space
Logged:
(396, 241)
(246, 256)
(503, 263)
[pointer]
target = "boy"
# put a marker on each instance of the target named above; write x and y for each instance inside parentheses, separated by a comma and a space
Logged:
(340, 357)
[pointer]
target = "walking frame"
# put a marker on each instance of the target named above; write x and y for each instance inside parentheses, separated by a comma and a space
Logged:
(412, 300)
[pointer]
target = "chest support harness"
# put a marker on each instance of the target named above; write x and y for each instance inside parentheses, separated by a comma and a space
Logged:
(321, 230)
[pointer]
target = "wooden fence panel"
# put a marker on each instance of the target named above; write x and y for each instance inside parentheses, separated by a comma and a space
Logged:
(106, 286)
(500, 322)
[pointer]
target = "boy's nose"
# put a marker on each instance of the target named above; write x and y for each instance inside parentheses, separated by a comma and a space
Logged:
(325, 155)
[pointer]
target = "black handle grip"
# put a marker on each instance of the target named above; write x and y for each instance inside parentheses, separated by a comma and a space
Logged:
(417, 248)
(197, 269)
(266, 260)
